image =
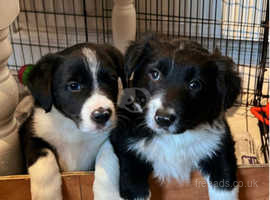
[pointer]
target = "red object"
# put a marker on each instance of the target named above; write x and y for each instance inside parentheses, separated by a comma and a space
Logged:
(20, 73)
(258, 113)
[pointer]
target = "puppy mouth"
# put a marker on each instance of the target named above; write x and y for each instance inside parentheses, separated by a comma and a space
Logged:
(173, 130)
(98, 128)
(108, 126)
(97, 114)
(160, 119)
(165, 130)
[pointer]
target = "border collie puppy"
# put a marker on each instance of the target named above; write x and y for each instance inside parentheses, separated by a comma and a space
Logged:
(182, 126)
(75, 94)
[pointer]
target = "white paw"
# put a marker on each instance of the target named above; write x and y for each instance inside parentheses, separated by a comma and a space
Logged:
(145, 198)
(106, 174)
(221, 194)
(45, 178)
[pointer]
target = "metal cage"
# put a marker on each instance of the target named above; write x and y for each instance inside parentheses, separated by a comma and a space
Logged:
(238, 28)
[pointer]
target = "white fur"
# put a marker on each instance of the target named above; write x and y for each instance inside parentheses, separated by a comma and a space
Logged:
(76, 144)
(181, 153)
(106, 174)
(106, 183)
(94, 102)
(92, 63)
(153, 105)
(45, 178)
(76, 149)
(219, 194)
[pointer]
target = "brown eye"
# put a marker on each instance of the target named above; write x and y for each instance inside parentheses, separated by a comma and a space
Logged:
(194, 85)
(154, 75)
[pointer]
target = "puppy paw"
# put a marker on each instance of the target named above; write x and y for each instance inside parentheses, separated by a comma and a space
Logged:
(45, 178)
(135, 193)
(46, 196)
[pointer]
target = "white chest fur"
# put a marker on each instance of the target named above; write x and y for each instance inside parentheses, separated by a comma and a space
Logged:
(76, 150)
(175, 156)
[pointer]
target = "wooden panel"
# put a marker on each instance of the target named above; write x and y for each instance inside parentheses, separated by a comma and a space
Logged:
(253, 182)
(86, 187)
(77, 186)
(71, 187)
(15, 188)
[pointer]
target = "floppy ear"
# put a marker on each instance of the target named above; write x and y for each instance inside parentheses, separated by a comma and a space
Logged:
(229, 82)
(137, 54)
(118, 59)
(40, 80)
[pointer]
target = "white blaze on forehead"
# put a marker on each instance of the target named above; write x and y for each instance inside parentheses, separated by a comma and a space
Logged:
(94, 102)
(92, 63)
(90, 56)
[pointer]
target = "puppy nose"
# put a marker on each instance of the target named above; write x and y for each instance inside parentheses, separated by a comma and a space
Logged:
(164, 119)
(101, 115)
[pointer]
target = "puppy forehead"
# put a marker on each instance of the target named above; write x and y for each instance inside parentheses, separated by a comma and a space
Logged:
(74, 66)
(94, 63)
(90, 55)
(91, 59)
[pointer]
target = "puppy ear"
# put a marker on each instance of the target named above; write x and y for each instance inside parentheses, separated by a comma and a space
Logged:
(40, 80)
(118, 59)
(229, 82)
(138, 53)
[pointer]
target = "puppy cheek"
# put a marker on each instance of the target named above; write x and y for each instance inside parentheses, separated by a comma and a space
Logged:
(152, 106)
(92, 103)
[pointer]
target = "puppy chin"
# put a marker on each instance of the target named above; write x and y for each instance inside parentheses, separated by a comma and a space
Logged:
(173, 130)
(95, 128)
(160, 131)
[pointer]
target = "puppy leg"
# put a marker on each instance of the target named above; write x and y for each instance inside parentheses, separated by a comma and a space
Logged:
(45, 177)
(134, 174)
(106, 183)
(219, 193)
(220, 173)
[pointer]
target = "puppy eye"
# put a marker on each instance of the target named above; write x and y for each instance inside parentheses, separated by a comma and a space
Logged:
(154, 75)
(194, 85)
(74, 86)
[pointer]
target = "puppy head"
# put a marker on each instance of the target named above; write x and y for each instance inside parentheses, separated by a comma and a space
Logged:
(81, 82)
(188, 85)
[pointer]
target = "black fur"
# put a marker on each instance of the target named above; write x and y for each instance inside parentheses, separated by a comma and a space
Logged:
(48, 85)
(33, 146)
(134, 171)
(179, 62)
(222, 166)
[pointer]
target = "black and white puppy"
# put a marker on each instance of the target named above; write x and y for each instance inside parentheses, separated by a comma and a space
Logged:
(182, 126)
(75, 93)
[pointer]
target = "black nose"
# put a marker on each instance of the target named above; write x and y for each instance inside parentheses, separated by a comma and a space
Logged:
(101, 115)
(164, 119)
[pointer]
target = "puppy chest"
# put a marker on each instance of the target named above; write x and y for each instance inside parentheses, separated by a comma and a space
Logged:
(175, 156)
(78, 153)
(80, 156)
(76, 150)
(172, 163)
